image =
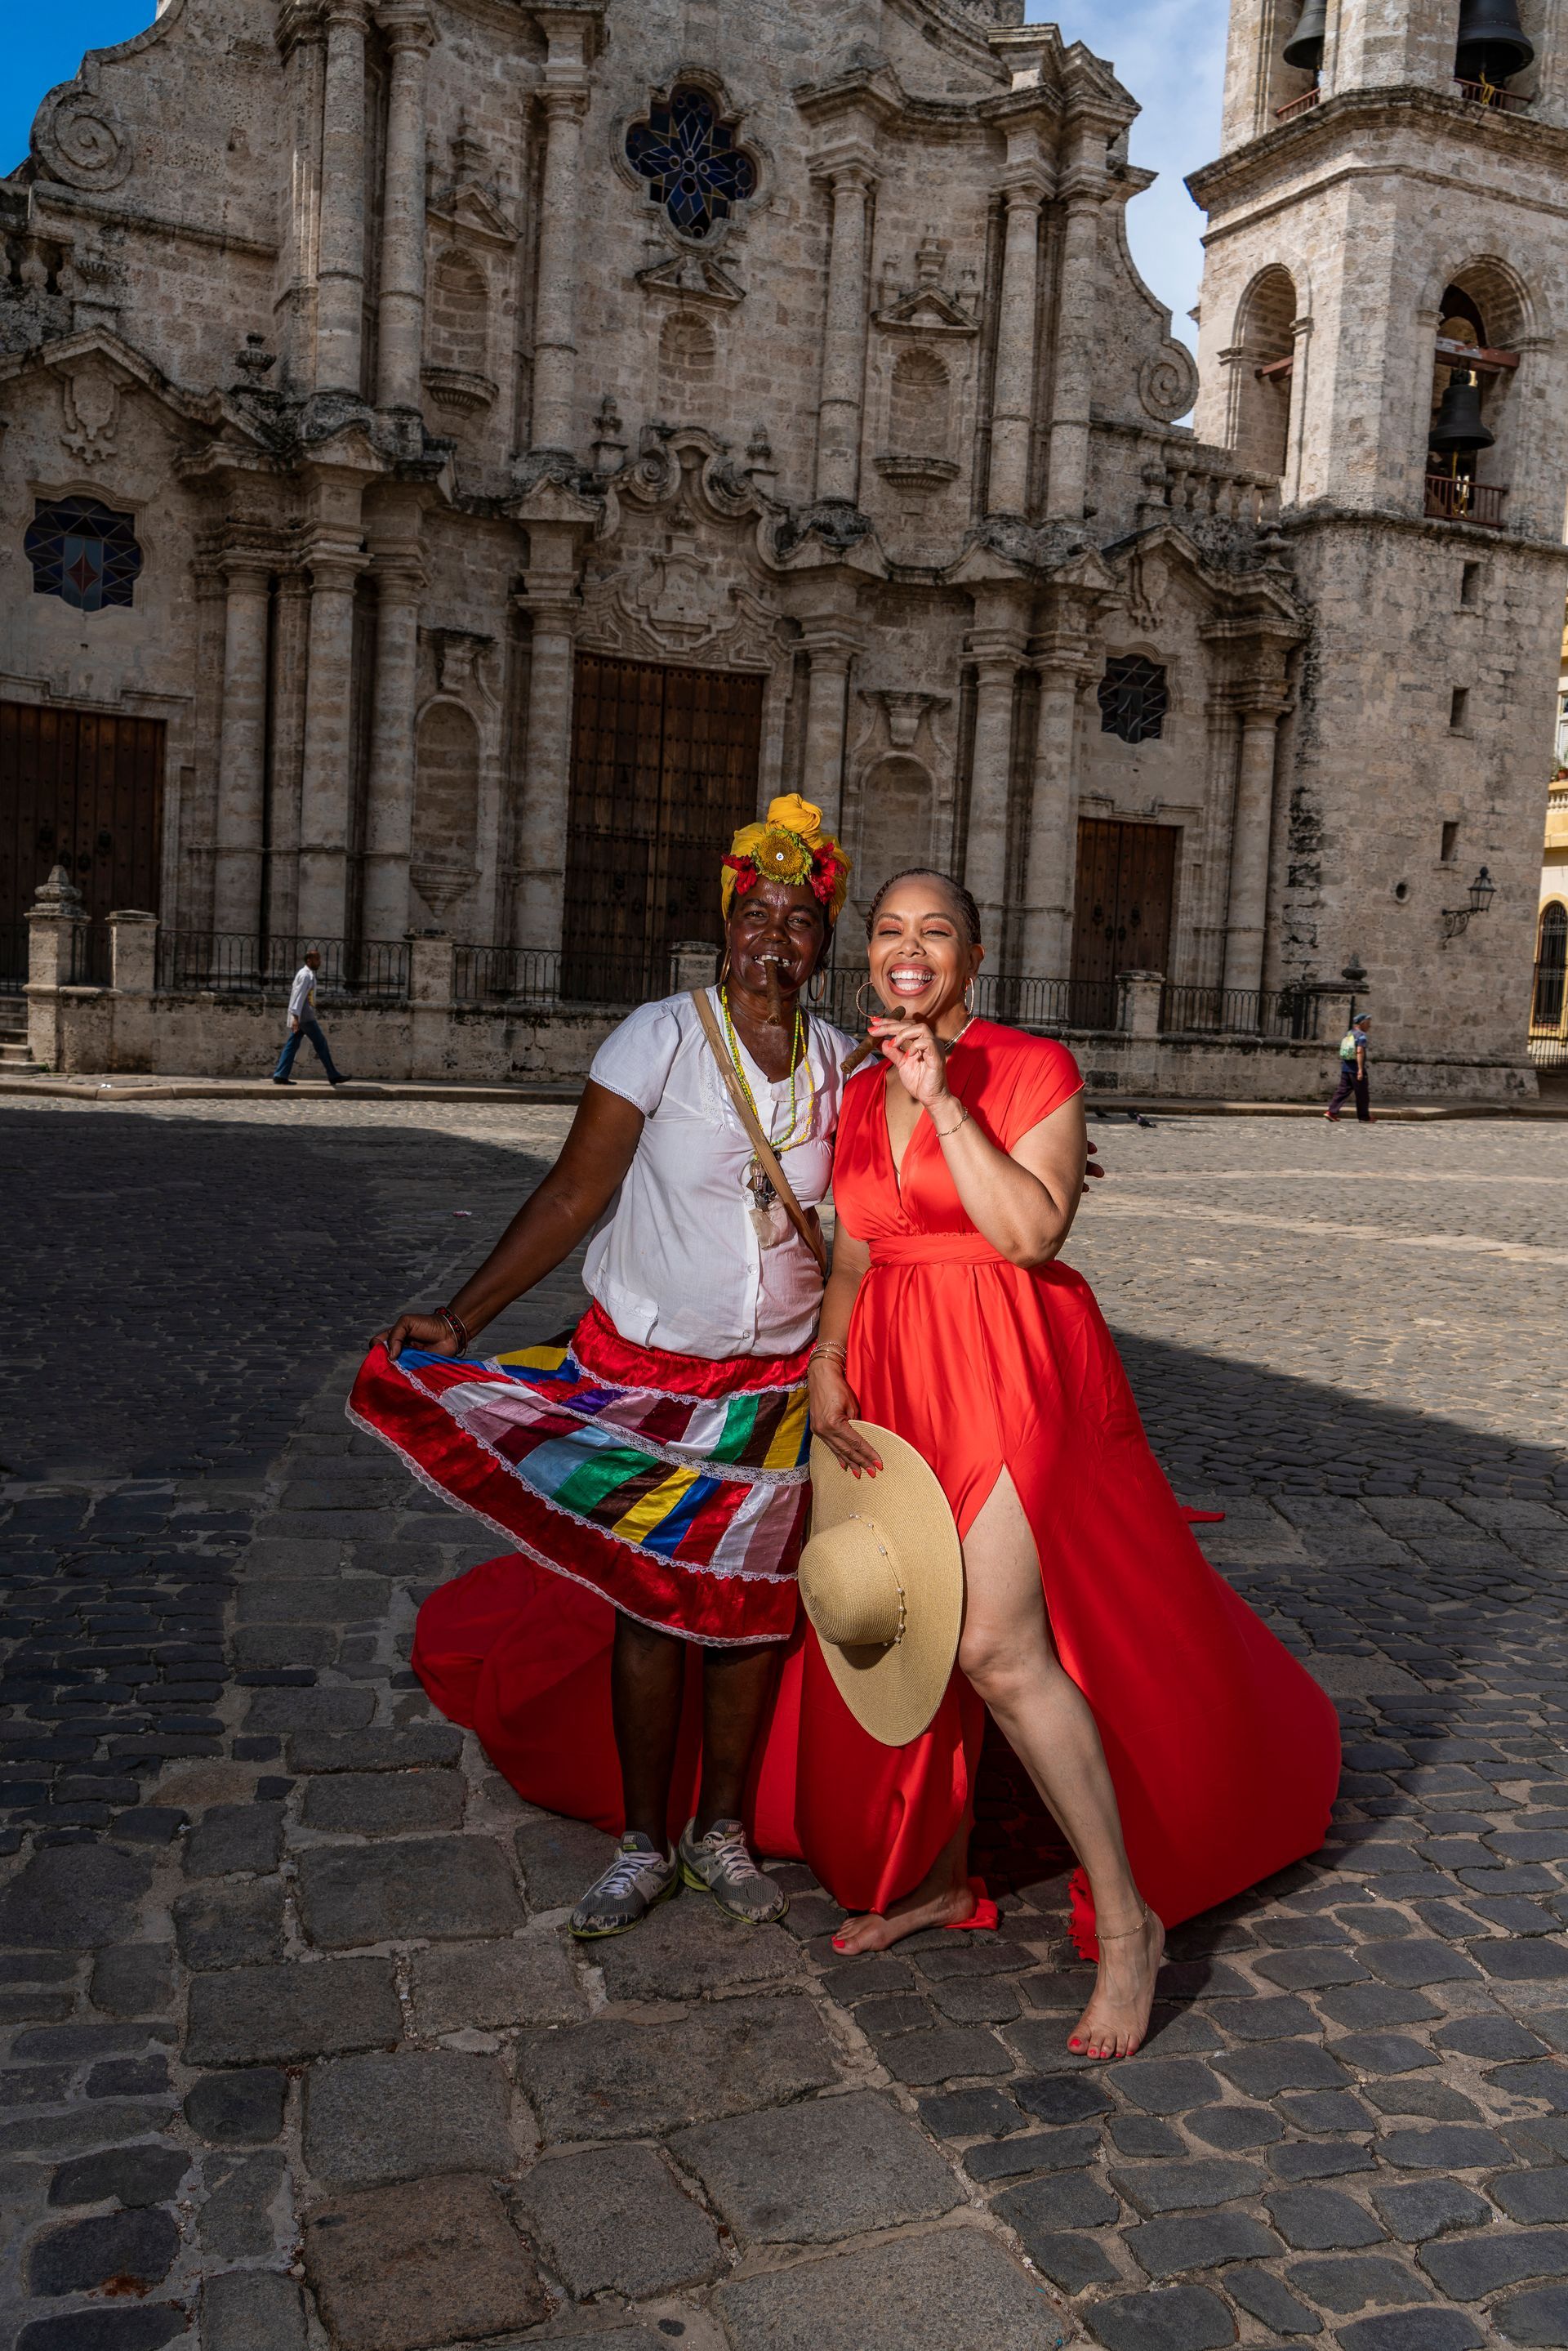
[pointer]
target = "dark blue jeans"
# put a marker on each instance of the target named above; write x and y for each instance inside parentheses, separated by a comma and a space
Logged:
(1349, 1084)
(295, 1039)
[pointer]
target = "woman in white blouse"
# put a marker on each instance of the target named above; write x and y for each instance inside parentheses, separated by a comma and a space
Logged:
(654, 1465)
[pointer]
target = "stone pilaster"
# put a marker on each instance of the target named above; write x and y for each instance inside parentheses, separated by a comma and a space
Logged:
(832, 648)
(132, 951)
(1014, 382)
(1046, 949)
(400, 581)
(996, 655)
(555, 292)
(325, 775)
(1077, 293)
(56, 921)
(341, 270)
(242, 745)
(291, 642)
(550, 599)
(850, 183)
(1250, 832)
(302, 38)
(401, 329)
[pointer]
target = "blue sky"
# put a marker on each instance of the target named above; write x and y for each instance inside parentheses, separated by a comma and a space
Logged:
(1168, 53)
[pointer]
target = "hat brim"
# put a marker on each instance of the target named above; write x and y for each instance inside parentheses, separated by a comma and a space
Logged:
(894, 1691)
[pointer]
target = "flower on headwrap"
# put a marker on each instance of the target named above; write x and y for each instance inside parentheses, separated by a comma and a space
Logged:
(789, 845)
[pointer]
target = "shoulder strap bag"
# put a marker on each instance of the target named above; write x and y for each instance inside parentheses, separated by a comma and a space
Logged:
(806, 1222)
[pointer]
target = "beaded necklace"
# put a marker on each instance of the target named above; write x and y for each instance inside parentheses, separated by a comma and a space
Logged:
(799, 1125)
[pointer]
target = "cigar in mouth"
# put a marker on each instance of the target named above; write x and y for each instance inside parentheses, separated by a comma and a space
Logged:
(775, 995)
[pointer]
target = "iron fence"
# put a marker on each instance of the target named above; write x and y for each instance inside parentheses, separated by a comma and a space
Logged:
(233, 962)
(1285, 1015)
(13, 958)
(544, 975)
(1549, 1014)
(89, 959)
(844, 995)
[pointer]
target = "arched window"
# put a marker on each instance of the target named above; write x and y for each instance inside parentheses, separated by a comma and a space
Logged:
(1472, 427)
(1265, 349)
(1551, 970)
(920, 417)
(691, 162)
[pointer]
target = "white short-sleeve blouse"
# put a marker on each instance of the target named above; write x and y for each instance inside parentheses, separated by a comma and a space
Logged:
(678, 1262)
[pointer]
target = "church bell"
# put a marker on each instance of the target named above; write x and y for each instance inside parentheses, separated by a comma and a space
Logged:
(1457, 426)
(1491, 44)
(1305, 48)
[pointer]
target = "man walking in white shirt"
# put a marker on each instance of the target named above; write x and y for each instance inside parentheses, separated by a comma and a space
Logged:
(303, 1023)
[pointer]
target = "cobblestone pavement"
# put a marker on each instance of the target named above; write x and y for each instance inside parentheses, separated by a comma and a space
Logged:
(298, 2054)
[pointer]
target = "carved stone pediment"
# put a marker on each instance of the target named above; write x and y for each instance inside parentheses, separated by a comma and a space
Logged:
(927, 311)
(692, 277)
(474, 211)
(679, 602)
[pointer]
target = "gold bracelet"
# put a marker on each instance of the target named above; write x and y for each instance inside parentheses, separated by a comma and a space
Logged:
(944, 1132)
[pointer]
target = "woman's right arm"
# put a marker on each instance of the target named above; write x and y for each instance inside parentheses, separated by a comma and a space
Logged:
(833, 1405)
(557, 1214)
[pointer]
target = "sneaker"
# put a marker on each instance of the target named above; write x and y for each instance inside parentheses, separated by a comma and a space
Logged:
(720, 1865)
(638, 1877)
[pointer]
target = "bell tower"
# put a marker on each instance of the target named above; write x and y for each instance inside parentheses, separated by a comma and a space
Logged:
(1382, 322)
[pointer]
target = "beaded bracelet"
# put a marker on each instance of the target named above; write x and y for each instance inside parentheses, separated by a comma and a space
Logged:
(457, 1326)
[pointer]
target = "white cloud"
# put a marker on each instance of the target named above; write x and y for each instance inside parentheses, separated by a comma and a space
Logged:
(1170, 55)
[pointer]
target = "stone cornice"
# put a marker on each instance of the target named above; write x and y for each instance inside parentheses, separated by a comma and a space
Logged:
(1348, 113)
(1324, 514)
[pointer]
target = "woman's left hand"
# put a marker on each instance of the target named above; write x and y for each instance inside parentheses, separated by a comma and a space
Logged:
(916, 1055)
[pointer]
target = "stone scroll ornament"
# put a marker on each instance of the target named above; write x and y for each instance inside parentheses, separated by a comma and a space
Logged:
(78, 139)
(1167, 386)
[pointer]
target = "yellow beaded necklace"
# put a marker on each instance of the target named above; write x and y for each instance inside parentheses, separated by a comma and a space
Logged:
(800, 1120)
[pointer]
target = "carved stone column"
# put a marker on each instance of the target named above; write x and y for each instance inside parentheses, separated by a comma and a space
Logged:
(555, 295)
(844, 333)
(402, 326)
(389, 817)
(302, 40)
(340, 272)
(1073, 383)
(1047, 949)
(325, 766)
(1014, 385)
(550, 598)
(831, 650)
(241, 745)
(997, 655)
(290, 650)
(1250, 832)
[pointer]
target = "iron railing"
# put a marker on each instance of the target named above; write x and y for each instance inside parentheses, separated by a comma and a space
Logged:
(13, 958)
(1452, 497)
(1289, 1015)
(88, 965)
(233, 962)
(541, 976)
(844, 995)
(1487, 93)
(1549, 1015)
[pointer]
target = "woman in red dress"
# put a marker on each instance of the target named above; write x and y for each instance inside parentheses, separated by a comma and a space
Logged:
(1181, 1747)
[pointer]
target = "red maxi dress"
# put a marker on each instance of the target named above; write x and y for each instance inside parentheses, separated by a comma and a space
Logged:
(1223, 1750)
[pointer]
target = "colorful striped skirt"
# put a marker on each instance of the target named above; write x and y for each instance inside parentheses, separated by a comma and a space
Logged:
(675, 1487)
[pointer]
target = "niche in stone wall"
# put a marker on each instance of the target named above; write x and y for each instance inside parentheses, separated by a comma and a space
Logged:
(457, 336)
(688, 367)
(444, 863)
(1263, 359)
(895, 829)
(1483, 309)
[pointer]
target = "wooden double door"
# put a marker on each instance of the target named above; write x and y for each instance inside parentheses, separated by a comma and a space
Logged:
(85, 791)
(1124, 900)
(664, 769)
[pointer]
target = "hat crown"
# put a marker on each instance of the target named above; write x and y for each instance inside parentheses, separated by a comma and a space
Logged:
(850, 1584)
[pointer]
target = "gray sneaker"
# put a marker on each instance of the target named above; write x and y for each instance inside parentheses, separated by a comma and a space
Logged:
(638, 1877)
(720, 1865)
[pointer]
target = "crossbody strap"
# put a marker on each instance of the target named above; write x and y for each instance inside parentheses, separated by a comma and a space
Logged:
(805, 1220)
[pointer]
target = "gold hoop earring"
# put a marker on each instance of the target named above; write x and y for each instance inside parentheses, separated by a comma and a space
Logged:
(862, 1009)
(968, 997)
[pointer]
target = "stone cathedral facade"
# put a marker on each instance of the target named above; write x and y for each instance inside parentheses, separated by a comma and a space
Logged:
(461, 457)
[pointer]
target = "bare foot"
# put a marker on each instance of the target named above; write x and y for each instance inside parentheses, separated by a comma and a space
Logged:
(1116, 2019)
(875, 1929)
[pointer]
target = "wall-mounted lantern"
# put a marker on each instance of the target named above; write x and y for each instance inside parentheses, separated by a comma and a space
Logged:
(1456, 919)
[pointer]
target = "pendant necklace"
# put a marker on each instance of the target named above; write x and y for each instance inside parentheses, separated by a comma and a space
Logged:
(765, 1198)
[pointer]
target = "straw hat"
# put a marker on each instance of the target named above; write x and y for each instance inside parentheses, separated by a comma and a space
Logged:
(881, 1579)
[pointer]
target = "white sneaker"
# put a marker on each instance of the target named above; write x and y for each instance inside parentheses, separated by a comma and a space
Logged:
(638, 1877)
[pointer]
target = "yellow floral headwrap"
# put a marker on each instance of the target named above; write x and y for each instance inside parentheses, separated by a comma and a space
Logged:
(788, 845)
